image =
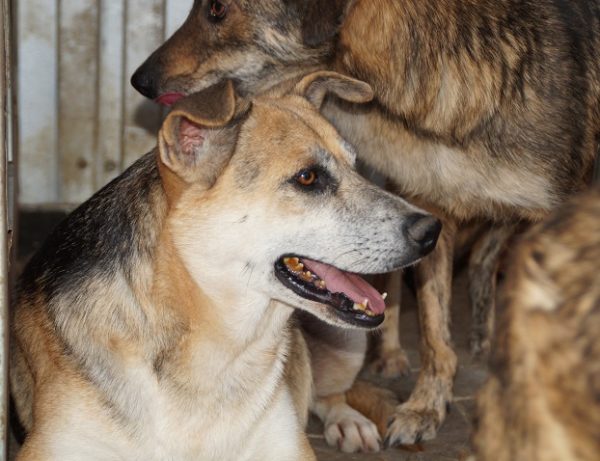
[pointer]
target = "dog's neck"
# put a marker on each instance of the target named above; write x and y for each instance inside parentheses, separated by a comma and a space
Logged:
(246, 334)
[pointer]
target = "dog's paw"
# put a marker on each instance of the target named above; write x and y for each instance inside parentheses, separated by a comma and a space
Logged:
(350, 431)
(391, 364)
(409, 426)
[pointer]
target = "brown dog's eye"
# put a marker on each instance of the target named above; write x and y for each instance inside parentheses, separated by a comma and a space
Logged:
(314, 179)
(218, 10)
(306, 177)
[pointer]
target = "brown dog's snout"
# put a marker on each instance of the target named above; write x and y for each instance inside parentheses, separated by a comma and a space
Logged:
(422, 231)
(145, 80)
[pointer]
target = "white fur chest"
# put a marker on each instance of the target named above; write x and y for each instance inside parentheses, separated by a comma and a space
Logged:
(169, 426)
(251, 432)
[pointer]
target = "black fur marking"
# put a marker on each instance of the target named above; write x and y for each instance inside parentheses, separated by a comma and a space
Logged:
(99, 237)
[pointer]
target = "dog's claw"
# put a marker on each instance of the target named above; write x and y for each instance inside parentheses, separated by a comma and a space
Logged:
(386, 442)
(350, 431)
(390, 422)
(409, 427)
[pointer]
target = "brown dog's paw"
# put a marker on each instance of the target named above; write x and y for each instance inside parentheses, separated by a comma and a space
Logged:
(409, 426)
(391, 364)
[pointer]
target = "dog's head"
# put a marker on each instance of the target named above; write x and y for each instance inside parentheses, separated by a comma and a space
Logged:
(266, 202)
(254, 43)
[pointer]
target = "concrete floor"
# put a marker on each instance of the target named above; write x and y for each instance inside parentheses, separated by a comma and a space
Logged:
(452, 442)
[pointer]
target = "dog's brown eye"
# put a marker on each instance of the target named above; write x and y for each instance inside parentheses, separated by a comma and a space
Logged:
(218, 10)
(306, 177)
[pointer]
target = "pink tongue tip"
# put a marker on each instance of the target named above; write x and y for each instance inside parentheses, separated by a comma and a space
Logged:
(168, 99)
(352, 285)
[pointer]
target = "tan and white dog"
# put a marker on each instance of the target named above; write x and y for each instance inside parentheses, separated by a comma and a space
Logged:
(156, 321)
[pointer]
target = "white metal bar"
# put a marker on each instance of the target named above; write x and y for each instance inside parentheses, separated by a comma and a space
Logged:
(5, 128)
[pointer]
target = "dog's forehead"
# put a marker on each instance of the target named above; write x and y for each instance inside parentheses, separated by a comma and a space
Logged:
(294, 128)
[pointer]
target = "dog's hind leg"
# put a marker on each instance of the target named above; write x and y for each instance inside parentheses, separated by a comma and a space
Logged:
(391, 360)
(345, 427)
(421, 415)
(337, 355)
(483, 271)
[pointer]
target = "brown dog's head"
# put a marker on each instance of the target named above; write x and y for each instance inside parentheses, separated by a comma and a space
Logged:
(253, 43)
(266, 204)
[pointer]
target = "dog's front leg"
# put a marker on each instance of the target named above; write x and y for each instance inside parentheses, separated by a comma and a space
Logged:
(422, 414)
(391, 360)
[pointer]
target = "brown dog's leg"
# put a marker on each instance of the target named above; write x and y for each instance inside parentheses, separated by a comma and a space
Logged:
(420, 417)
(391, 360)
(483, 271)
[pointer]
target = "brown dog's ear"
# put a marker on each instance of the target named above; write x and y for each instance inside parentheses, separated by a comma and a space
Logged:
(198, 136)
(321, 19)
(317, 85)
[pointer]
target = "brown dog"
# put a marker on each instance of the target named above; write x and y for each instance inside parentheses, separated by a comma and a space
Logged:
(155, 322)
(487, 109)
(542, 402)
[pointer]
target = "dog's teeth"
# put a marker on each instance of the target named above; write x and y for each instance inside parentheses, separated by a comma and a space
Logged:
(307, 276)
(359, 307)
(291, 261)
(321, 284)
(383, 296)
(298, 267)
(364, 307)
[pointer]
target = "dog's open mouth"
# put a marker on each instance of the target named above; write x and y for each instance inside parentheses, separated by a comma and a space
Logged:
(354, 300)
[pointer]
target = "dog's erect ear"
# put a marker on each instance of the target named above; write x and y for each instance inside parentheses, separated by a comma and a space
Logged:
(317, 85)
(321, 19)
(198, 136)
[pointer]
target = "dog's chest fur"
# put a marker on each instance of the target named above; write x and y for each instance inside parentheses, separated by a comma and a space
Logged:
(209, 409)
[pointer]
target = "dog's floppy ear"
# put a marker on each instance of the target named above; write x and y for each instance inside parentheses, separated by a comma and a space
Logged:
(317, 85)
(321, 19)
(198, 136)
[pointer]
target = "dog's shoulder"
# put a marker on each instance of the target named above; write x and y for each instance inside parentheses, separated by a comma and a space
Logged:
(100, 234)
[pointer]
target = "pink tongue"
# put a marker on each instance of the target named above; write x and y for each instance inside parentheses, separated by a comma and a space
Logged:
(352, 285)
(168, 99)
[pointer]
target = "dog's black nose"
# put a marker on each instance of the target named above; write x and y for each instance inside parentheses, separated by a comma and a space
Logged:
(144, 81)
(423, 231)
